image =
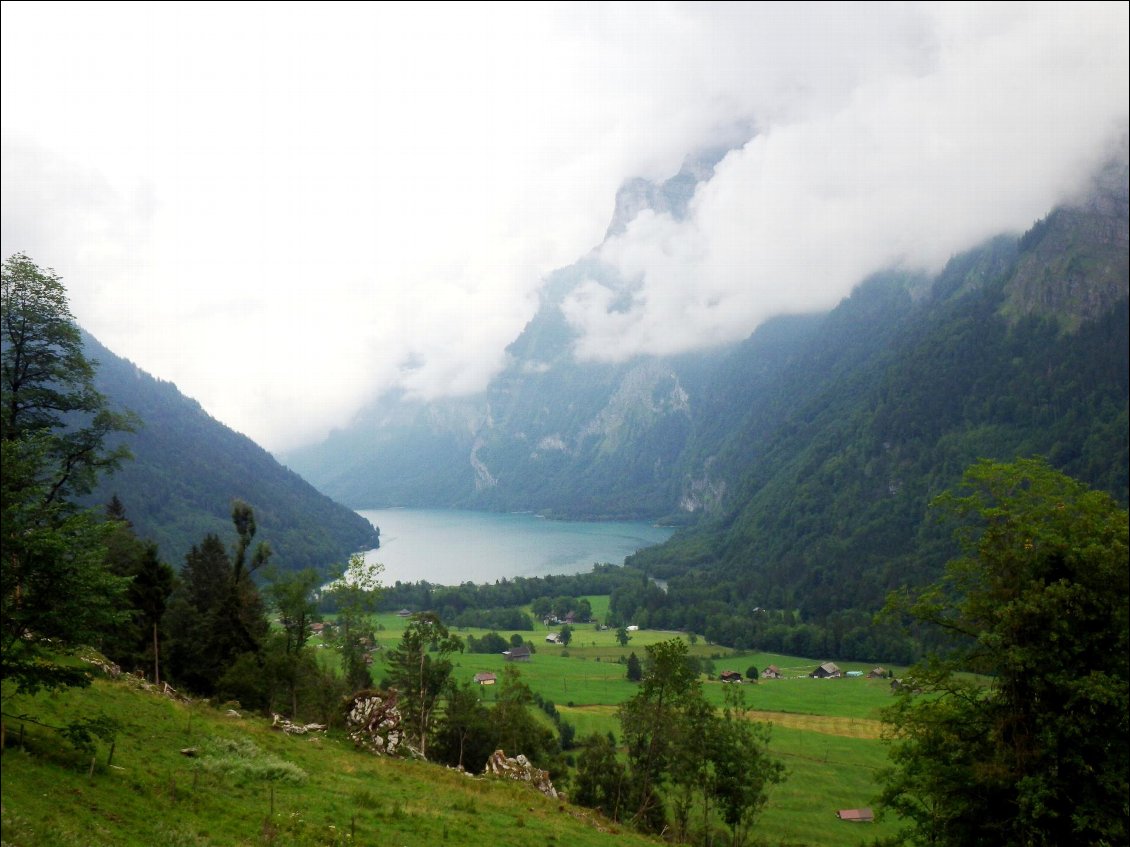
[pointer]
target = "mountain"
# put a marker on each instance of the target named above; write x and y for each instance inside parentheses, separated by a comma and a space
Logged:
(187, 468)
(677, 437)
(801, 461)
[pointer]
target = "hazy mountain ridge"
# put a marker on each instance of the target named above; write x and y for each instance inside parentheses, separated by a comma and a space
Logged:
(705, 433)
(831, 510)
(188, 467)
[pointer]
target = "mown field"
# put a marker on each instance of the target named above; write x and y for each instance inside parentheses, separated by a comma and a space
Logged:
(826, 731)
(251, 785)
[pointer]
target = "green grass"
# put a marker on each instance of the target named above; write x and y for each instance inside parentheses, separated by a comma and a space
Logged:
(249, 785)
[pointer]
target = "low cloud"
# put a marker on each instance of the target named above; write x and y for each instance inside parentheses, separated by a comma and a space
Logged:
(910, 166)
(287, 213)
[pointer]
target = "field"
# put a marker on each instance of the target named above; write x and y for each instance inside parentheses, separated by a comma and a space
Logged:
(826, 731)
(262, 787)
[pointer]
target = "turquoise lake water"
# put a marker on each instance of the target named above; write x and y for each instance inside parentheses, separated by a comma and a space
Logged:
(450, 547)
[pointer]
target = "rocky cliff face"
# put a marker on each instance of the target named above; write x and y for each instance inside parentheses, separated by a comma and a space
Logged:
(1075, 265)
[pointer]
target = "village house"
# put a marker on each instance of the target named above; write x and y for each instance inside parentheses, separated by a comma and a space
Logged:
(485, 678)
(731, 676)
(878, 673)
(771, 672)
(518, 654)
(828, 670)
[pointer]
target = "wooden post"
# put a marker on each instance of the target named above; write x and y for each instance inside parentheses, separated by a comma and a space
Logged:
(156, 658)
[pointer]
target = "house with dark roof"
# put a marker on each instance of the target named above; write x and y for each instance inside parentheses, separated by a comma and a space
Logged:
(518, 654)
(828, 670)
(731, 676)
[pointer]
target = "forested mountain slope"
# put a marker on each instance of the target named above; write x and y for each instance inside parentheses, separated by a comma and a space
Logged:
(188, 468)
(1016, 349)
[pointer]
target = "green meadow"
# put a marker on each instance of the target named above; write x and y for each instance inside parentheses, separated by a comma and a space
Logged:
(249, 785)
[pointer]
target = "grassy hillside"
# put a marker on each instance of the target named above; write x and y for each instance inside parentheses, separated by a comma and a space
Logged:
(252, 785)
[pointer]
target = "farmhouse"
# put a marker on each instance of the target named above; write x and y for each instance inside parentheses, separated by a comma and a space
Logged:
(518, 654)
(828, 670)
(731, 676)
(878, 673)
(553, 638)
(485, 678)
(771, 672)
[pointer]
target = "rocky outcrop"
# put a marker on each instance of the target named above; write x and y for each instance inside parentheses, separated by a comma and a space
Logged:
(521, 770)
(374, 724)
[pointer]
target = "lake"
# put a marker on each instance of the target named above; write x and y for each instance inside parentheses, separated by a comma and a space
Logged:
(450, 547)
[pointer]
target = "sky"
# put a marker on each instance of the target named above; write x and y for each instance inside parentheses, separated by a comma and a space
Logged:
(288, 208)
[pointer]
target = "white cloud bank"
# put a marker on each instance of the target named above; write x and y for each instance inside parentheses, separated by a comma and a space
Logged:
(286, 210)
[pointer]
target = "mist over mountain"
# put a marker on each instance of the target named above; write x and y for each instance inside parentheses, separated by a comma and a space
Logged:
(655, 436)
(187, 468)
(801, 460)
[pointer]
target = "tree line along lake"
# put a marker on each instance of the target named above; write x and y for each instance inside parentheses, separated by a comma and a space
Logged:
(451, 547)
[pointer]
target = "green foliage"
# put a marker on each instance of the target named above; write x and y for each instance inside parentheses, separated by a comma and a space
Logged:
(601, 780)
(355, 594)
(635, 668)
(1038, 604)
(683, 755)
(57, 592)
(217, 614)
(419, 676)
(241, 760)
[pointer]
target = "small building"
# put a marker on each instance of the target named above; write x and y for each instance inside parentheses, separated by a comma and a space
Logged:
(771, 672)
(632, 628)
(518, 654)
(878, 673)
(856, 815)
(553, 638)
(828, 670)
(731, 676)
(404, 613)
(486, 678)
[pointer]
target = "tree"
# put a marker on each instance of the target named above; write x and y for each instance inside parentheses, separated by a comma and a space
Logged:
(517, 729)
(565, 635)
(465, 736)
(57, 592)
(217, 614)
(635, 668)
(622, 636)
(419, 677)
(653, 723)
(355, 594)
(291, 596)
(600, 779)
(1035, 750)
(136, 641)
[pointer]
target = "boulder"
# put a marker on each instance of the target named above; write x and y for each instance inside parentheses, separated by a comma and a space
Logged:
(519, 768)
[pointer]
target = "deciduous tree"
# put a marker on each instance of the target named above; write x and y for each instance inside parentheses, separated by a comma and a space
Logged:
(419, 668)
(1035, 750)
(57, 592)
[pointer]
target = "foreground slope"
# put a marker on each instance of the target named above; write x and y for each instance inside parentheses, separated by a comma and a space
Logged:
(247, 784)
